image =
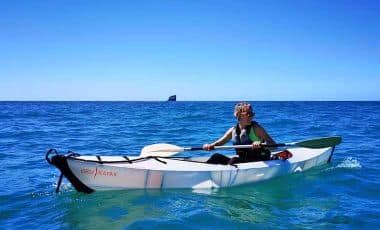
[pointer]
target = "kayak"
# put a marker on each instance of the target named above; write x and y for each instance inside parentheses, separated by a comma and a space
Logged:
(92, 173)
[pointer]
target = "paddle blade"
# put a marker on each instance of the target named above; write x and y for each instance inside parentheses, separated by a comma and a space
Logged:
(322, 142)
(163, 150)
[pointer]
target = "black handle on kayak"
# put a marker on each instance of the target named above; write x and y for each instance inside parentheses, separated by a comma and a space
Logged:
(48, 153)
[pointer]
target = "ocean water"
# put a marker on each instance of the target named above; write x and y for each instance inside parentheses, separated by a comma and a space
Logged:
(343, 194)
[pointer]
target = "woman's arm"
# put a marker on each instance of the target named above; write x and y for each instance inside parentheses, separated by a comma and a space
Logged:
(221, 141)
(261, 133)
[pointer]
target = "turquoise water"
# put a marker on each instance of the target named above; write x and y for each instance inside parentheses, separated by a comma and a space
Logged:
(345, 193)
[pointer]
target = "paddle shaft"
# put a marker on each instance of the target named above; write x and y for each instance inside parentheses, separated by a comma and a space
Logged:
(311, 143)
(236, 147)
(169, 150)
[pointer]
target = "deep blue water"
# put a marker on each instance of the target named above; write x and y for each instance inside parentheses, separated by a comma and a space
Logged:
(344, 194)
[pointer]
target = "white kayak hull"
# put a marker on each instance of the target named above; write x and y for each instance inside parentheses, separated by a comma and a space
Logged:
(115, 172)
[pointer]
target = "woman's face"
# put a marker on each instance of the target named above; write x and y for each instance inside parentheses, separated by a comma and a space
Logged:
(245, 117)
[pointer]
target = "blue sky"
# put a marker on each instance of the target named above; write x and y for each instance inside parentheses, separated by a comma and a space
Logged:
(199, 50)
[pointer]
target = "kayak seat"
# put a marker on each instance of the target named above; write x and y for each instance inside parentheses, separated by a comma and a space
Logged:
(218, 158)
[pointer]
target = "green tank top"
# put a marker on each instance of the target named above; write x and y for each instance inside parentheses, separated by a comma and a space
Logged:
(252, 135)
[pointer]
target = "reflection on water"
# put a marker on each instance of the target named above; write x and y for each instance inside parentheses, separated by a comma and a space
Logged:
(271, 202)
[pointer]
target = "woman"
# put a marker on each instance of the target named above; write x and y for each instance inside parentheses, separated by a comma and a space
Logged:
(246, 132)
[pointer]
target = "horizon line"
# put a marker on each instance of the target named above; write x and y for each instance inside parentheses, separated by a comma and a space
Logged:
(188, 101)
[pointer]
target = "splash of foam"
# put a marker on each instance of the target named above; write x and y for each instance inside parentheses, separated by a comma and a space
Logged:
(65, 185)
(349, 162)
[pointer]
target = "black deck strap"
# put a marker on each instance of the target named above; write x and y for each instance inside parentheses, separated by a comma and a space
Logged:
(129, 161)
(99, 159)
(72, 154)
(139, 159)
(176, 158)
(60, 162)
(156, 158)
(143, 159)
(332, 152)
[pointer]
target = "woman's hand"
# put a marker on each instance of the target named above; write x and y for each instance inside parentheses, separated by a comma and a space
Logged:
(256, 145)
(208, 147)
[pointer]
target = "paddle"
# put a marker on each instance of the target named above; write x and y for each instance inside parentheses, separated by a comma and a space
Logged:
(166, 150)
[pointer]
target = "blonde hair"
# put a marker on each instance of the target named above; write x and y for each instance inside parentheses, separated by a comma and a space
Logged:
(240, 107)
